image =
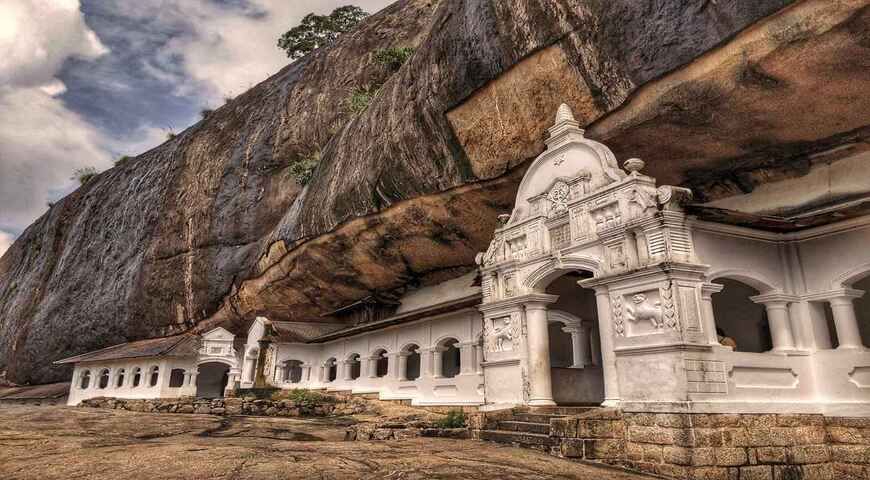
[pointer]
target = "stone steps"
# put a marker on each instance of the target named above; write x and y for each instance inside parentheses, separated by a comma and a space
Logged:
(524, 427)
(534, 417)
(536, 441)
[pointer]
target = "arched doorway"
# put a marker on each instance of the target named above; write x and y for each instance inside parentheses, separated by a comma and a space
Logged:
(740, 322)
(575, 364)
(212, 380)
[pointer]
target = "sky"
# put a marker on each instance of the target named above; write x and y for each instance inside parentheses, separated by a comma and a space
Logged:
(83, 82)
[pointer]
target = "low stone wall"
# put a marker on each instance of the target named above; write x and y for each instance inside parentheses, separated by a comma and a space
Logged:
(719, 446)
(233, 406)
(392, 430)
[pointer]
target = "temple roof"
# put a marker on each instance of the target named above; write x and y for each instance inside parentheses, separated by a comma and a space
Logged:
(182, 345)
(302, 332)
(409, 316)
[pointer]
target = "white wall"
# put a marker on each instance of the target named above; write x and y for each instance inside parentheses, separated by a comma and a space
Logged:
(127, 390)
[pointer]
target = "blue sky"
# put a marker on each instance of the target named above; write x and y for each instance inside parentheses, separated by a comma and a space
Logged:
(83, 82)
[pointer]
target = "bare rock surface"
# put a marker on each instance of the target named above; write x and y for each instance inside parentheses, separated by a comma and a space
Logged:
(61, 443)
(213, 227)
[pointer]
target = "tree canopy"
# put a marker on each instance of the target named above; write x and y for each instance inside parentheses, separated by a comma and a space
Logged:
(316, 31)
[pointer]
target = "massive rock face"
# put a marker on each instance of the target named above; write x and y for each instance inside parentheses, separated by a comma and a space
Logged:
(213, 228)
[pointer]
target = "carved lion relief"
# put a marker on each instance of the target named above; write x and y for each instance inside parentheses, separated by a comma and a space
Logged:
(501, 334)
(643, 309)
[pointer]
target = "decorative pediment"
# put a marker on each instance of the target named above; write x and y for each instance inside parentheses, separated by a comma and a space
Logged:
(571, 167)
(218, 334)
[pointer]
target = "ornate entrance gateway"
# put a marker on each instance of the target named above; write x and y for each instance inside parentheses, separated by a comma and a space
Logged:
(652, 270)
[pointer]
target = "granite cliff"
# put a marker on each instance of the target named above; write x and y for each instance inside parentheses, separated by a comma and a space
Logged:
(214, 226)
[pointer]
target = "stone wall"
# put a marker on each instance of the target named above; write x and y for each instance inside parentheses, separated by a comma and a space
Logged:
(719, 446)
(233, 406)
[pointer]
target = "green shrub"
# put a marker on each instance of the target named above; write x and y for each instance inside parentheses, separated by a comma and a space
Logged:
(205, 112)
(454, 419)
(84, 174)
(170, 135)
(360, 99)
(303, 397)
(122, 159)
(394, 57)
(303, 168)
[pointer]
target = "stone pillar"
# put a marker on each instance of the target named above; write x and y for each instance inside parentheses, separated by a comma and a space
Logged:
(345, 366)
(426, 369)
(478, 359)
(845, 322)
(538, 344)
(373, 366)
(466, 358)
(279, 373)
(579, 344)
(306, 373)
(402, 371)
(322, 373)
(608, 356)
(437, 371)
(707, 291)
(778, 320)
(594, 351)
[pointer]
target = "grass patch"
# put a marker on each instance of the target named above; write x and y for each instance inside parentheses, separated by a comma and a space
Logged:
(454, 419)
(360, 99)
(303, 168)
(84, 174)
(393, 58)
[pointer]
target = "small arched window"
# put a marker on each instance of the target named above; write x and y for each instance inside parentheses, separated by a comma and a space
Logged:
(155, 375)
(450, 358)
(293, 371)
(412, 362)
(382, 363)
(137, 376)
(85, 380)
(354, 365)
(104, 379)
(176, 378)
(119, 378)
(331, 370)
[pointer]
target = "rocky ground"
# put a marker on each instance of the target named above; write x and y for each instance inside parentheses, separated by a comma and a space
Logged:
(69, 443)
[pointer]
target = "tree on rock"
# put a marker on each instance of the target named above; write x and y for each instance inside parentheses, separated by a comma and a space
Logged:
(317, 31)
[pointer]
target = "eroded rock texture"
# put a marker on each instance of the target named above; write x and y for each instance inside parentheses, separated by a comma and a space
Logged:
(211, 227)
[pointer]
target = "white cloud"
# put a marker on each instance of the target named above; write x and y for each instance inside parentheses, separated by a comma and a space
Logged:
(41, 141)
(5, 242)
(37, 36)
(230, 49)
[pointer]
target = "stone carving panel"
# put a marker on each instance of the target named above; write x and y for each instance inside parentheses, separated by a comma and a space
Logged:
(647, 312)
(560, 236)
(558, 197)
(606, 216)
(501, 334)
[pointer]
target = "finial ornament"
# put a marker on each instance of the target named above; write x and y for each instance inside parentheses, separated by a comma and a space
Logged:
(633, 165)
(564, 114)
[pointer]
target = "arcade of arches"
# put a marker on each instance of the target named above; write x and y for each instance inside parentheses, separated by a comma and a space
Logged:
(598, 288)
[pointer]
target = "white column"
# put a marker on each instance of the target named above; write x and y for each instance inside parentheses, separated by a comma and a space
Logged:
(608, 356)
(322, 373)
(346, 370)
(579, 344)
(306, 373)
(437, 365)
(402, 370)
(279, 373)
(426, 355)
(478, 359)
(373, 367)
(707, 291)
(466, 358)
(778, 320)
(594, 351)
(845, 322)
(538, 343)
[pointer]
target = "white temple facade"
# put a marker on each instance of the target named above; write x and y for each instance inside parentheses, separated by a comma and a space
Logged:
(598, 289)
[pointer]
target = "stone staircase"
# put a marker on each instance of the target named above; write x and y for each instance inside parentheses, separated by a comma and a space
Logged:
(527, 427)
